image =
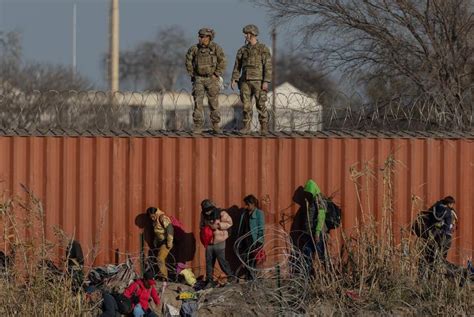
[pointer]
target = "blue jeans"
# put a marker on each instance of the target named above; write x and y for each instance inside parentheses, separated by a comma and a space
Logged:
(310, 248)
(139, 312)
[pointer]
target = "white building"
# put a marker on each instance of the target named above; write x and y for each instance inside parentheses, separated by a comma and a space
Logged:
(295, 111)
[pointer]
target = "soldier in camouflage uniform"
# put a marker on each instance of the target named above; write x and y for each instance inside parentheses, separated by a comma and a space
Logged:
(252, 73)
(205, 63)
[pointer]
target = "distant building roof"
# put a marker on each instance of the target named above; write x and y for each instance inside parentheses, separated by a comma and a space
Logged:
(290, 97)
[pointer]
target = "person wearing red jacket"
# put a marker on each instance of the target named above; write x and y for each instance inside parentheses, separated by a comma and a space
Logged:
(139, 293)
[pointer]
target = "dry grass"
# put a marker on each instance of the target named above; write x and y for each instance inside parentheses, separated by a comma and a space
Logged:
(30, 284)
(374, 273)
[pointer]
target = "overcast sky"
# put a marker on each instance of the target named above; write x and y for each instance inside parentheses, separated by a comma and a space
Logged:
(46, 26)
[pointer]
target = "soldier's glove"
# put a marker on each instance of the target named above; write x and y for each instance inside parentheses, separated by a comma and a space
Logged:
(233, 85)
(193, 79)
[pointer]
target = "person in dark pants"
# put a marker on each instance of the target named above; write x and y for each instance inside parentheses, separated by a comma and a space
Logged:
(220, 222)
(109, 306)
(438, 241)
(75, 264)
(315, 233)
(252, 225)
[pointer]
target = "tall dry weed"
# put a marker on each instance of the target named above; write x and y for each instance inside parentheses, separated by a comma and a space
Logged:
(33, 281)
(375, 273)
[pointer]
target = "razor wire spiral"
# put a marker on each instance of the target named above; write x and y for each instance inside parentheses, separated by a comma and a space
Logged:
(282, 281)
(172, 111)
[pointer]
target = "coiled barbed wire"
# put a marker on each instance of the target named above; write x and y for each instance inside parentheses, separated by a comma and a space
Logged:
(172, 111)
(282, 281)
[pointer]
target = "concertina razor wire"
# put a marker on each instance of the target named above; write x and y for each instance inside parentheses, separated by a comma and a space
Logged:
(172, 111)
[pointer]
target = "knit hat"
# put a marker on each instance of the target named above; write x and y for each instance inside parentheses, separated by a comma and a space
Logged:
(207, 205)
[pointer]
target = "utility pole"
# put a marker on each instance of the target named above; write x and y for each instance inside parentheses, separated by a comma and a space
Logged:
(74, 40)
(114, 46)
(274, 78)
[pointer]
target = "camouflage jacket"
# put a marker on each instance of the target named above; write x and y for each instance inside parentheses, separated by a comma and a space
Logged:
(255, 63)
(205, 60)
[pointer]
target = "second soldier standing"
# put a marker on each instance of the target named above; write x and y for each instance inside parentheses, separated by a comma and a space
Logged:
(252, 73)
(205, 63)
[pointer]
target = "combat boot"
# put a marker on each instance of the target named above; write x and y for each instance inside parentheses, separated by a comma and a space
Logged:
(246, 128)
(216, 128)
(197, 128)
(264, 128)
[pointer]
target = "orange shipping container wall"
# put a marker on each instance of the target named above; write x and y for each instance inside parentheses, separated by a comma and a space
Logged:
(95, 188)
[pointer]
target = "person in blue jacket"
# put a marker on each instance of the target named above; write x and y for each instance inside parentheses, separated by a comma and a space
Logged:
(252, 225)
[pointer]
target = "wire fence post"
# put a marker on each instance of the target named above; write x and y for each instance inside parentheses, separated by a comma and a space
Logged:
(142, 253)
(278, 272)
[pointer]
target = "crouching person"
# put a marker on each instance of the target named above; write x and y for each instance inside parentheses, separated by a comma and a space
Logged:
(219, 221)
(108, 306)
(140, 292)
(441, 222)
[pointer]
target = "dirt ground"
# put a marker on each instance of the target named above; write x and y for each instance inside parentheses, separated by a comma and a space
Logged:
(237, 300)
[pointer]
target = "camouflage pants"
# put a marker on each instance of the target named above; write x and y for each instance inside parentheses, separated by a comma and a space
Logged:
(249, 89)
(206, 86)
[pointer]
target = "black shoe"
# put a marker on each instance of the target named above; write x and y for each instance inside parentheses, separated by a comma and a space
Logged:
(197, 129)
(216, 128)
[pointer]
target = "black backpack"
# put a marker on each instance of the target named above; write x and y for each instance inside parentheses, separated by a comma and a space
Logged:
(422, 224)
(123, 303)
(333, 214)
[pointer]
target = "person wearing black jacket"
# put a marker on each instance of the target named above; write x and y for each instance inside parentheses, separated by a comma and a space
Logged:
(439, 240)
(108, 303)
(75, 264)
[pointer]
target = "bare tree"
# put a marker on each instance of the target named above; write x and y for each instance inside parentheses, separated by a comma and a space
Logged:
(38, 95)
(157, 64)
(10, 51)
(415, 49)
(27, 76)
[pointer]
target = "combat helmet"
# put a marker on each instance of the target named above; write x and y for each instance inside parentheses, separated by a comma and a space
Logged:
(207, 31)
(251, 28)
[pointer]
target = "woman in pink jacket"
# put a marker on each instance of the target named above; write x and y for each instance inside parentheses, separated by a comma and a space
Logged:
(140, 292)
(220, 222)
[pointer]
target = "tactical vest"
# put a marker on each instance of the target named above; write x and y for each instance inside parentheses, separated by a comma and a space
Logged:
(252, 62)
(205, 60)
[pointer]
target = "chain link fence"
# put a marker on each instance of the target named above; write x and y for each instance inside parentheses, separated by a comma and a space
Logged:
(172, 111)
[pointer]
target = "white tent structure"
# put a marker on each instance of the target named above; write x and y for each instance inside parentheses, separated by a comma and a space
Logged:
(295, 110)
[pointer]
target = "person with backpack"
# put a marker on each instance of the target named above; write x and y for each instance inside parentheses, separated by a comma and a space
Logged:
(140, 292)
(163, 238)
(219, 221)
(252, 226)
(440, 223)
(314, 209)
